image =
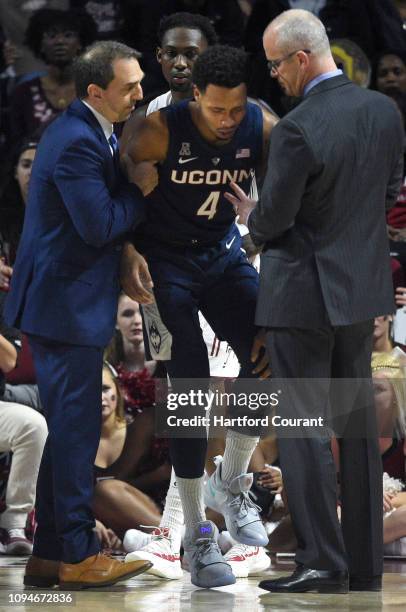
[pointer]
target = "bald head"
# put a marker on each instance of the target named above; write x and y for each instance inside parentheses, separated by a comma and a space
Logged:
(298, 50)
(298, 29)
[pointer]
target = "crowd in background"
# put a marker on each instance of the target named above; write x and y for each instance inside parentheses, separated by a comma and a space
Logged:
(132, 470)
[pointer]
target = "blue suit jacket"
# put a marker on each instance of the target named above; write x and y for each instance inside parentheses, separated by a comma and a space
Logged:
(65, 280)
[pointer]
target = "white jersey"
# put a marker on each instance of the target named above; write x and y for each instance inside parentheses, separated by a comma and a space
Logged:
(222, 359)
(159, 102)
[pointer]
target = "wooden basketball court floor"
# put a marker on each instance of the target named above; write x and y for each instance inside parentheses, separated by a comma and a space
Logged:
(149, 594)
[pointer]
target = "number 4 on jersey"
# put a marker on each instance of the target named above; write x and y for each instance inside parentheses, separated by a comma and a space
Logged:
(209, 206)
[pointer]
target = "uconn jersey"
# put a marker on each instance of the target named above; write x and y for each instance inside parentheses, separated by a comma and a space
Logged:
(188, 206)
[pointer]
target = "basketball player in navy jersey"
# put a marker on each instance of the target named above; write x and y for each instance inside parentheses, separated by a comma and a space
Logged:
(182, 38)
(193, 251)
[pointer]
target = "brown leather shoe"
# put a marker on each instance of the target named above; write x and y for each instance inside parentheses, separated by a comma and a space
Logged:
(41, 572)
(97, 571)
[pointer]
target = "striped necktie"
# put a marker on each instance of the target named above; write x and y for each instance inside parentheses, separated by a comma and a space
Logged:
(113, 142)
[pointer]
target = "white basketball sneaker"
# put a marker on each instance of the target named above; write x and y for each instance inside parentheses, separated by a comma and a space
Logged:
(247, 560)
(134, 539)
(162, 553)
(233, 501)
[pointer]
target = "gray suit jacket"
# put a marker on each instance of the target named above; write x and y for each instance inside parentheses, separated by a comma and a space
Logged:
(335, 163)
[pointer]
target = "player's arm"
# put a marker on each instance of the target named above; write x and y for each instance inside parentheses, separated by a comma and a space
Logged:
(131, 124)
(146, 139)
(269, 121)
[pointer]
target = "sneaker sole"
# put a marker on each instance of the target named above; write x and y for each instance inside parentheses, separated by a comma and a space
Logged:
(18, 548)
(78, 586)
(159, 567)
(240, 572)
(216, 583)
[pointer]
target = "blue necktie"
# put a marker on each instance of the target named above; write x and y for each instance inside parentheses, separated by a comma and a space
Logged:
(113, 142)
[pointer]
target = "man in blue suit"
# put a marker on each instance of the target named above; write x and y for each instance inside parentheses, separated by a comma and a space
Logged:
(64, 295)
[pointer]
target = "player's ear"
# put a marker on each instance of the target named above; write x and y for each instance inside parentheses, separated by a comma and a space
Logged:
(196, 93)
(159, 55)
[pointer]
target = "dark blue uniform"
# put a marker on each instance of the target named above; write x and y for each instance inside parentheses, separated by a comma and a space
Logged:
(188, 205)
(193, 248)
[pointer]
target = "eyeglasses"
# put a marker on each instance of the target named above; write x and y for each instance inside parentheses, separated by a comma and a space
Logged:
(273, 65)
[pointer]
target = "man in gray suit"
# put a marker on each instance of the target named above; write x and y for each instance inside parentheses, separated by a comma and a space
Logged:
(334, 162)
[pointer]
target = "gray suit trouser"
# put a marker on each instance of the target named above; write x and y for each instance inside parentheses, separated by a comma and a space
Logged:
(307, 463)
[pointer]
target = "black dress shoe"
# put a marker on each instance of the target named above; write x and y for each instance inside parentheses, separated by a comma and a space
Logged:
(305, 579)
(369, 583)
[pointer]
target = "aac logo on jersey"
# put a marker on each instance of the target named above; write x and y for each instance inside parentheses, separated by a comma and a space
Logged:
(185, 149)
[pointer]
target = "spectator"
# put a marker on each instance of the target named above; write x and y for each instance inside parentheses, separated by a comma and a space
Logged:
(137, 379)
(374, 25)
(401, 7)
(105, 13)
(390, 398)
(14, 16)
(7, 81)
(119, 502)
(382, 340)
(390, 74)
(23, 431)
(56, 37)
(13, 206)
(126, 351)
(389, 77)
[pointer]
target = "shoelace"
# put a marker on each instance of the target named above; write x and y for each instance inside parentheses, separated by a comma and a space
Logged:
(205, 546)
(162, 533)
(245, 504)
(237, 550)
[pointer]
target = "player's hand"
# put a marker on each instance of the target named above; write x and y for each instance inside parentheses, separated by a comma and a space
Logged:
(107, 537)
(242, 204)
(259, 356)
(271, 478)
(144, 175)
(387, 502)
(5, 275)
(102, 534)
(135, 278)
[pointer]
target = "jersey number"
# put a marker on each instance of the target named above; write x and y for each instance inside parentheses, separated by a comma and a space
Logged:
(209, 206)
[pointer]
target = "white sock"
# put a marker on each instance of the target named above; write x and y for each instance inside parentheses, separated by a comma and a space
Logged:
(191, 495)
(237, 454)
(172, 516)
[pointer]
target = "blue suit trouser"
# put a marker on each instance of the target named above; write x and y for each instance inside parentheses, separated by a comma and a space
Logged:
(70, 381)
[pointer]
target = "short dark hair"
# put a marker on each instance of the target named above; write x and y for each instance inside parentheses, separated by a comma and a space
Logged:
(190, 21)
(95, 64)
(377, 60)
(220, 65)
(45, 19)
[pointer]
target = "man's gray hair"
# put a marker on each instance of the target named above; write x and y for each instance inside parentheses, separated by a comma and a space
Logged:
(300, 29)
(95, 64)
